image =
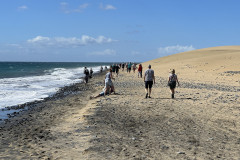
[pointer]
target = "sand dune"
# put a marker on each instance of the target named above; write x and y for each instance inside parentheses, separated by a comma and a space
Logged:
(206, 65)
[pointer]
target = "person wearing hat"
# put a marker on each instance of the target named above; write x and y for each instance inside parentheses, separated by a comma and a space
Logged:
(172, 80)
(149, 79)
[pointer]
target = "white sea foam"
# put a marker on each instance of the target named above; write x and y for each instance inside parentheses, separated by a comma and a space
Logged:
(15, 91)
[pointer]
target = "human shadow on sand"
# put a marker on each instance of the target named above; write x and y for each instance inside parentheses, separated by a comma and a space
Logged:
(178, 98)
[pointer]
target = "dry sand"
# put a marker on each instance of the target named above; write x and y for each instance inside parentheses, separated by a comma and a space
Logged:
(202, 122)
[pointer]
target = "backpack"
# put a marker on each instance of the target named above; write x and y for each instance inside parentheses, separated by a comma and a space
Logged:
(171, 82)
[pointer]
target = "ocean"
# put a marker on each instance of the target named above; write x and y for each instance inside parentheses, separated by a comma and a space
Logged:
(22, 82)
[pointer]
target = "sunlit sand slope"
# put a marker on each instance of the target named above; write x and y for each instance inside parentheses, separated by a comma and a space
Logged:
(219, 64)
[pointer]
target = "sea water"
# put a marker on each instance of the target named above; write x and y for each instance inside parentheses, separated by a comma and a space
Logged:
(22, 82)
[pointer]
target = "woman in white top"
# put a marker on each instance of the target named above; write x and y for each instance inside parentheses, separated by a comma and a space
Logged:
(108, 82)
(172, 80)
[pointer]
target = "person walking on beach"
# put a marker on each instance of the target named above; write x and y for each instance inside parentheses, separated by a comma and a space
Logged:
(101, 69)
(172, 80)
(129, 66)
(123, 66)
(140, 71)
(134, 67)
(91, 73)
(149, 79)
(117, 69)
(113, 68)
(108, 82)
(86, 72)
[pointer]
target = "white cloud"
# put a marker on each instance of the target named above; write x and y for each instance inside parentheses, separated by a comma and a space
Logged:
(65, 8)
(107, 7)
(80, 8)
(109, 52)
(23, 7)
(174, 49)
(69, 42)
(102, 39)
(39, 39)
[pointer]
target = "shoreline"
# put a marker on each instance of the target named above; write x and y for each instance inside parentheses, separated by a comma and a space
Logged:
(25, 132)
(12, 111)
(28, 82)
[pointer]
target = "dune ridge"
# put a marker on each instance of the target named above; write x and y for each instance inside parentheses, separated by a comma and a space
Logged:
(206, 64)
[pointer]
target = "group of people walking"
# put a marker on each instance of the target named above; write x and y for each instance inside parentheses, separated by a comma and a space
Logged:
(149, 78)
(129, 67)
(88, 74)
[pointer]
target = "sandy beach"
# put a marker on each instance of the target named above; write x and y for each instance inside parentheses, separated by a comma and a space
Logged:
(202, 122)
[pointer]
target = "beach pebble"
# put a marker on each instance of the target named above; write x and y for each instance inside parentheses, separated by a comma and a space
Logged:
(180, 152)
(108, 150)
(218, 156)
(164, 147)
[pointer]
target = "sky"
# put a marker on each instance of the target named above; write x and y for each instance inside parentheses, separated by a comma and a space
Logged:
(113, 30)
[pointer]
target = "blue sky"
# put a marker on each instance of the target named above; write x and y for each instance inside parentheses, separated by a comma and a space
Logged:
(113, 30)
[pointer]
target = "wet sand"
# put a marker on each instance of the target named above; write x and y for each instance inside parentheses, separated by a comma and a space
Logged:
(202, 122)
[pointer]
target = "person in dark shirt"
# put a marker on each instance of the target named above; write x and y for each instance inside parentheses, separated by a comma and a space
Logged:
(172, 80)
(91, 72)
(86, 72)
(123, 65)
(113, 68)
(129, 66)
(117, 69)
